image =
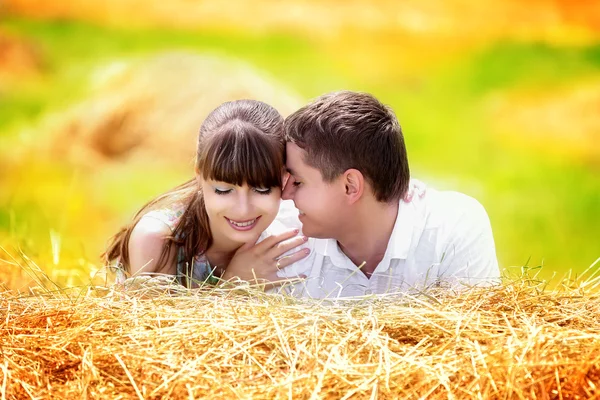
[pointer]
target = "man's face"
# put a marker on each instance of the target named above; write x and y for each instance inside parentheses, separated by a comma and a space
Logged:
(321, 204)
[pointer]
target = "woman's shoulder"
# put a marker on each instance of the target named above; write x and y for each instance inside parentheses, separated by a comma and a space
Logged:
(163, 218)
(146, 245)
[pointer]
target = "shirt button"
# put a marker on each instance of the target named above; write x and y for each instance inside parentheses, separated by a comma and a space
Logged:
(368, 291)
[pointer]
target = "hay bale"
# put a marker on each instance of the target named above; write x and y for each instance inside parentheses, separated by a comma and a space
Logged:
(510, 341)
(19, 59)
(150, 109)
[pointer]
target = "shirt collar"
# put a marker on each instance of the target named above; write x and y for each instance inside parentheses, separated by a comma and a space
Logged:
(330, 248)
(401, 238)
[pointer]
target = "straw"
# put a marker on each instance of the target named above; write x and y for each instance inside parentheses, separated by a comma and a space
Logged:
(151, 341)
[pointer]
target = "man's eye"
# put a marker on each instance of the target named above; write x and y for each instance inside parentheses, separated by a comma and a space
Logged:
(222, 191)
(263, 190)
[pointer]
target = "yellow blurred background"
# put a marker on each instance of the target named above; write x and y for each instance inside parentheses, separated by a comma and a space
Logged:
(100, 103)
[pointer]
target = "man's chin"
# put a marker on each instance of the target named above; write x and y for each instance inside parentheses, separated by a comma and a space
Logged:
(313, 233)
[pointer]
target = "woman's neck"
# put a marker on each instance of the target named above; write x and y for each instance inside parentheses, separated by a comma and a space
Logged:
(219, 254)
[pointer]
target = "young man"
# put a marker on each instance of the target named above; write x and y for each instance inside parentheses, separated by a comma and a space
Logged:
(348, 174)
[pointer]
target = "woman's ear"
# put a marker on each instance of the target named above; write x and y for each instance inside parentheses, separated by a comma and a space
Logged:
(354, 183)
(286, 177)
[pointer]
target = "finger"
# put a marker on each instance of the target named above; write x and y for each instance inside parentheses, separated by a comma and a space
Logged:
(408, 197)
(283, 247)
(275, 239)
(292, 258)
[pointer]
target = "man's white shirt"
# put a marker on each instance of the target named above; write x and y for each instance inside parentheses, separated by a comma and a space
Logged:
(441, 239)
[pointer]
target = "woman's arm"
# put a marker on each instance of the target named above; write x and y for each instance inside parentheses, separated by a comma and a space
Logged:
(146, 244)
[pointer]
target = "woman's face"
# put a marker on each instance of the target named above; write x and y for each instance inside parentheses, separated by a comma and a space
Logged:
(238, 214)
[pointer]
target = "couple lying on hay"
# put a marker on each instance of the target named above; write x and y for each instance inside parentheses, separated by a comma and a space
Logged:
(320, 205)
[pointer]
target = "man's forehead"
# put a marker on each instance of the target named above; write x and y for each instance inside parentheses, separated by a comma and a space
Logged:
(295, 158)
(291, 169)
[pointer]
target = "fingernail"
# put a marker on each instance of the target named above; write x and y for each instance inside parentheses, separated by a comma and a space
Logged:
(307, 251)
(305, 238)
(296, 230)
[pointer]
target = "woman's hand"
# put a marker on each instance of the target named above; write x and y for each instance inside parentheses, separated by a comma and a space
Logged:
(259, 263)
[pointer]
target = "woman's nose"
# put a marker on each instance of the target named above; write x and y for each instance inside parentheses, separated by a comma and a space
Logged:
(244, 205)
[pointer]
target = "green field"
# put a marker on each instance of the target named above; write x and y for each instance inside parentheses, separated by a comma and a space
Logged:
(544, 208)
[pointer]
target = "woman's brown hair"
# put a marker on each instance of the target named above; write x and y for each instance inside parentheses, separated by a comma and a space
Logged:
(240, 142)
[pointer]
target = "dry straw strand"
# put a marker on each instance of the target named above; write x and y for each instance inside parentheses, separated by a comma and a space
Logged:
(151, 339)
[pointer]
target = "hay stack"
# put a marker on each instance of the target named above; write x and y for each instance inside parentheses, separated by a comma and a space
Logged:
(513, 341)
(150, 109)
(19, 59)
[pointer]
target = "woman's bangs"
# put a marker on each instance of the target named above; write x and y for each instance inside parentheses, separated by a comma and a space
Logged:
(243, 155)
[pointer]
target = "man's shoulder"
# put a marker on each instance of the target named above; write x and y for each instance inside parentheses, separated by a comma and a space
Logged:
(443, 207)
(459, 227)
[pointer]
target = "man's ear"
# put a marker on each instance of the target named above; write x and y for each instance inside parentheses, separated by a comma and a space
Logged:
(354, 183)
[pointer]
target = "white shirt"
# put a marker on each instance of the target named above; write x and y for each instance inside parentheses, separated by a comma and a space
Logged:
(443, 238)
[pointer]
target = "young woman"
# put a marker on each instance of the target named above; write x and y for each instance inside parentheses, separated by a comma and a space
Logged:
(220, 225)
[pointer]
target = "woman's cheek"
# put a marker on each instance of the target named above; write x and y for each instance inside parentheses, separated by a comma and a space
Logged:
(271, 206)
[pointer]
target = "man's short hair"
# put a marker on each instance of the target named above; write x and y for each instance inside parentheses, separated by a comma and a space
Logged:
(343, 130)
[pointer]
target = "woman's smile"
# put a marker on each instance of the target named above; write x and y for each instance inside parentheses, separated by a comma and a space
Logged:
(243, 225)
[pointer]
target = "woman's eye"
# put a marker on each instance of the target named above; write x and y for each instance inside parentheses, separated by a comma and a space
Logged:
(263, 190)
(296, 183)
(222, 191)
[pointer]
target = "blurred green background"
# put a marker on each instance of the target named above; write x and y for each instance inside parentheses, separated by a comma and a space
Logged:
(100, 105)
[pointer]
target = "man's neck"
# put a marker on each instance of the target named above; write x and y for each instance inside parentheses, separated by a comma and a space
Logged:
(367, 238)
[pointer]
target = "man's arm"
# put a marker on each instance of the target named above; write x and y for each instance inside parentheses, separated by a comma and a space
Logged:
(470, 254)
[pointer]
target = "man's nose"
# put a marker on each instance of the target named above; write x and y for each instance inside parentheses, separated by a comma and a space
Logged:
(288, 190)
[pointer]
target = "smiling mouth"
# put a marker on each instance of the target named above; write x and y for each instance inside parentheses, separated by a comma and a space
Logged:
(243, 225)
